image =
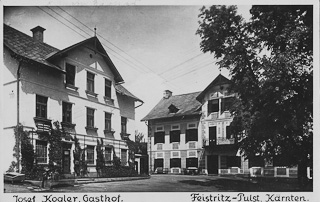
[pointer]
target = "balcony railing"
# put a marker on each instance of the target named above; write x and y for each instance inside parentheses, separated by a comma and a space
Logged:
(43, 125)
(219, 141)
(222, 141)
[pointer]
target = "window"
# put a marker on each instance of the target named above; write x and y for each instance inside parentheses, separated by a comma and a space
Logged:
(66, 112)
(175, 136)
(108, 154)
(123, 125)
(90, 82)
(158, 163)
(175, 127)
(107, 90)
(159, 155)
(192, 162)
(70, 74)
(213, 106)
(228, 132)
(175, 145)
(191, 135)
(226, 103)
(41, 106)
(123, 157)
(90, 118)
(175, 163)
(41, 151)
(90, 154)
(159, 137)
(173, 109)
(107, 121)
(159, 128)
(233, 161)
(212, 135)
(192, 126)
(175, 154)
(192, 145)
(256, 161)
(192, 153)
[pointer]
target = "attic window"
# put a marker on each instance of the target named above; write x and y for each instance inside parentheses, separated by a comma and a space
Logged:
(173, 109)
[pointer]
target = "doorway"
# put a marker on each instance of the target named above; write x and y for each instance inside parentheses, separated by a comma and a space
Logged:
(212, 163)
(66, 161)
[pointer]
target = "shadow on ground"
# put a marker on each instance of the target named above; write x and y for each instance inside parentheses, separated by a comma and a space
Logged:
(247, 185)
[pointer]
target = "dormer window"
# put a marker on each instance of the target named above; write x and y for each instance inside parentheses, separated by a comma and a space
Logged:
(173, 109)
(213, 106)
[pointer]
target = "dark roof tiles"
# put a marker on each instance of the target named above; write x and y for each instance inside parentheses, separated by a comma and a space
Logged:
(25, 46)
(123, 91)
(186, 103)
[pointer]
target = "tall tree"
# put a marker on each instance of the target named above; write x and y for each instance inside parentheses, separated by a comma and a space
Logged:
(270, 63)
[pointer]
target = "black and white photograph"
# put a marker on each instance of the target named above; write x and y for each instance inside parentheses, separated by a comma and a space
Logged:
(212, 101)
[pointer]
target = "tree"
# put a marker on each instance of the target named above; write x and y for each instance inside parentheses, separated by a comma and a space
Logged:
(138, 136)
(77, 156)
(55, 149)
(270, 63)
(27, 154)
(100, 157)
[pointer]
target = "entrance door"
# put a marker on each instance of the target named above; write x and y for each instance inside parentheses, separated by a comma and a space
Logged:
(212, 163)
(66, 161)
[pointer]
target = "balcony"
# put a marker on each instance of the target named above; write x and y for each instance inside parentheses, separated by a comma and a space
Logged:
(43, 125)
(125, 136)
(223, 141)
(68, 127)
(108, 100)
(109, 133)
(219, 141)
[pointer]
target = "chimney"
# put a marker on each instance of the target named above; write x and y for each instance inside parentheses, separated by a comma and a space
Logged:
(38, 33)
(167, 94)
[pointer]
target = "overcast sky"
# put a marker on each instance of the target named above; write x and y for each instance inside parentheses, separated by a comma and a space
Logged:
(155, 48)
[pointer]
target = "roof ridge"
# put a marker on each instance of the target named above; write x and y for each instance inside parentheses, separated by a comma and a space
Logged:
(186, 93)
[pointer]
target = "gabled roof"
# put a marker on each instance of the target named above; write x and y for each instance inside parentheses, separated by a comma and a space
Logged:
(186, 103)
(123, 91)
(26, 47)
(94, 40)
(219, 80)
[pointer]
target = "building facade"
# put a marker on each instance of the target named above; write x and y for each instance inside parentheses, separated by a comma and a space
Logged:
(78, 86)
(213, 150)
(175, 144)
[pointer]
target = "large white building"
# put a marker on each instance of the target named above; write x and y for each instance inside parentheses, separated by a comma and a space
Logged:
(78, 86)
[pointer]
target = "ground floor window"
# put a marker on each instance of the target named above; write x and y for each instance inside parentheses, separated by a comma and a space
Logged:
(90, 154)
(41, 151)
(158, 163)
(192, 162)
(256, 161)
(107, 155)
(175, 163)
(123, 157)
(233, 161)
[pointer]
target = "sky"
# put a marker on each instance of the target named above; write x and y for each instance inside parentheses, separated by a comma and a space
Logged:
(154, 48)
